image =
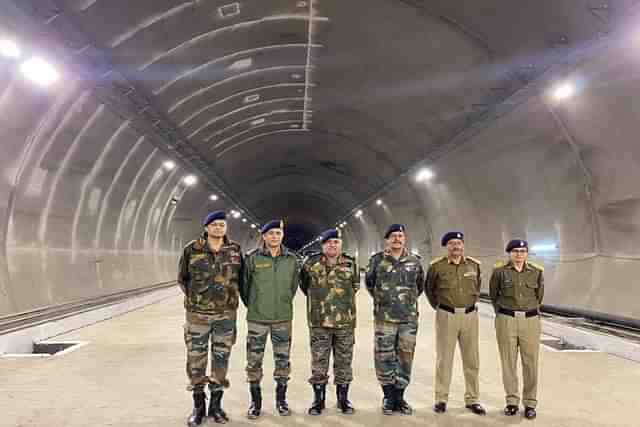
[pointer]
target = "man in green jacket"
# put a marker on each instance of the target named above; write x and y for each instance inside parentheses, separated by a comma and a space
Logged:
(269, 285)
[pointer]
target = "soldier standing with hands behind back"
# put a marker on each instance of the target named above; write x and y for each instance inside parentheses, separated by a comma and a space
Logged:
(395, 281)
(330, 280)
(210, 273)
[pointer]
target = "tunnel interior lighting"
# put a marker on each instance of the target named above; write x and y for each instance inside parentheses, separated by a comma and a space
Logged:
(296, 76)
(39, 71)
(9, 49)
(563, 91)
(359, 213)
(244, 219)
(258, 121)
(236, 214)
(190, 180)
(213, 197)
(251, 98)
(241, 64)
(254, 226)
(379, 202)
(544, 247)
(424, 175)
(169, 165)
(229, 10)
(174, 200)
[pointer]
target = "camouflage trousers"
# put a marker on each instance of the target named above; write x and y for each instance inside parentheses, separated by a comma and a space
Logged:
(257, 335)
(323, 341)
(394, 347)
(199, 330)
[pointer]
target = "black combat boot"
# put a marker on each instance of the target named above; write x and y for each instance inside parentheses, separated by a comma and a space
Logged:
(215, 408)
(319, 395)
(342, 393)
(401, 405)
(199, 409)
(281, 400)
(389, 399)
(256, 402)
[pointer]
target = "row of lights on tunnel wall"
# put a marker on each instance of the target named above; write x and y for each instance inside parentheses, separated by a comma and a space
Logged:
(423, 175)
(559, 93)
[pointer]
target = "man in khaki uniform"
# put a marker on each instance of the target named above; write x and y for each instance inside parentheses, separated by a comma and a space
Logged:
(516, 290)
(453, 288)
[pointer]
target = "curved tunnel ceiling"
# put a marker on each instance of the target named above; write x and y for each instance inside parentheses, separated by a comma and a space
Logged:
(305, 109)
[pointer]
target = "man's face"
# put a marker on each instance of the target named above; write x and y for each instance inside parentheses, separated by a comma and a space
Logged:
(396, 240)
(519, 255)
(217, 228)
(332, 248)
(273, 238)
(455, 248)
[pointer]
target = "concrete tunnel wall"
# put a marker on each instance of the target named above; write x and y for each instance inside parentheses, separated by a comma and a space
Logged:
(86, 202)
(561, 174)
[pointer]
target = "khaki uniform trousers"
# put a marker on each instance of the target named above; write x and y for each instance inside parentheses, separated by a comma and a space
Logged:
(523, 334)
(451, 329)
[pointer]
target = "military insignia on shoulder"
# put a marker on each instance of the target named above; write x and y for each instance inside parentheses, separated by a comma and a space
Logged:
(535, 265)
(438, 259)
(499, 264)
(477, 261)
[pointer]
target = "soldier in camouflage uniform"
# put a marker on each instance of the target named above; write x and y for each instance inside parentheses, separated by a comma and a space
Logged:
(330, 280)
(269, 285)
(453, 289)
(210, 271)
(395, 280)
(516, 291)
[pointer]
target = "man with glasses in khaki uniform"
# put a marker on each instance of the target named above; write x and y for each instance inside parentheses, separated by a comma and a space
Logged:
(516, 291)
(453, 288)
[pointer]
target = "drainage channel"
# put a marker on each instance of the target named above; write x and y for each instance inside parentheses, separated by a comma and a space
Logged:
(45, 349)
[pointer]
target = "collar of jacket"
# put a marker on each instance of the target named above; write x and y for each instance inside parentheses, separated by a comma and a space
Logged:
(526, 266)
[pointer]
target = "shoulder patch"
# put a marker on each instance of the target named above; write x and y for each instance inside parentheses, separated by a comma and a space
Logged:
(474, 260)
(535, 265)
(438, 259)
(499, 264)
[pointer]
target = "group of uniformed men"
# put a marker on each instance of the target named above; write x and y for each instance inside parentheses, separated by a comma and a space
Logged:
(214, 275)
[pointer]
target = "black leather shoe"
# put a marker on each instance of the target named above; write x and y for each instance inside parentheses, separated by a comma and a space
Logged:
(389, 399)
(281, 400)
(199, 409)
(401, 405)
(342, 393)
(256, 402)
(510, 410)
(319, 396)
(530, 413)
(476, 408)
(440, 407)
(215, 408)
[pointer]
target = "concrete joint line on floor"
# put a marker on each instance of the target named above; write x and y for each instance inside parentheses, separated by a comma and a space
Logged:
(21, 342)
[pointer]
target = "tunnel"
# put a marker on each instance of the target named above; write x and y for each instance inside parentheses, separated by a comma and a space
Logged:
(124, 123)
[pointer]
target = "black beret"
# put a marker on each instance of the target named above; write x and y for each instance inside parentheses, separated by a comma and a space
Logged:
(516, 244)
(276, 223)
(452, 235)
(214, 216)
(393, 228)
(332, 233)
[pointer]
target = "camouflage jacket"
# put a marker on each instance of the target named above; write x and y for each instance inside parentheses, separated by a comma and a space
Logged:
(454, 285)
(395, 286)
(211, 280)
(330, 291)
(517, 290)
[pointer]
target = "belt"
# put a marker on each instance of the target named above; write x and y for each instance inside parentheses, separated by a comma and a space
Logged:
(453, 310)
(517, 313)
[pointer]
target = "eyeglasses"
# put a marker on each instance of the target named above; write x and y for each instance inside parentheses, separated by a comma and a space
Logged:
(519, 251)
